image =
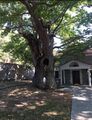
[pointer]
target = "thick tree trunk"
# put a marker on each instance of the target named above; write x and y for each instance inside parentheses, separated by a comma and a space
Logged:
(38, 76)
(44, 74)
(43, 62)
(42, 50)
(50, 83)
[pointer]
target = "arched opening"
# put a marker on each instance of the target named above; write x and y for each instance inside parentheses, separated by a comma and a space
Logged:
(75, 73)
(74, 64)
(76, 76)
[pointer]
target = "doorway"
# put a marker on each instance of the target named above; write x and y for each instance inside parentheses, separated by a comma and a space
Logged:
(76, 77)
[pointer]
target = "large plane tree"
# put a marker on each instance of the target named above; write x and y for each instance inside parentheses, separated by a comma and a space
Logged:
(38, 22)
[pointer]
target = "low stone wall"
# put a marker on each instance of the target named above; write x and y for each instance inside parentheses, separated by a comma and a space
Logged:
(10, 71)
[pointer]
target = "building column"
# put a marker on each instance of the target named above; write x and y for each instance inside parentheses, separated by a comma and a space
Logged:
(61, 77)
(89, 77)
(71, 78)
(64, 75)
(81, 80)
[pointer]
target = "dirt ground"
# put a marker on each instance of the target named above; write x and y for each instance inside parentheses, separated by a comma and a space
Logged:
(20, 101)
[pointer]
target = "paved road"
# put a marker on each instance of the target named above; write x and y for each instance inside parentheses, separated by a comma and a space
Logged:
(82, 103)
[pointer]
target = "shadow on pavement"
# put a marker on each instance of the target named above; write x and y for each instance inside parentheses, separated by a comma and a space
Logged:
(82, 103)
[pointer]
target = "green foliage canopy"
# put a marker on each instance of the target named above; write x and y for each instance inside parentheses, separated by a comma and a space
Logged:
(56, 15)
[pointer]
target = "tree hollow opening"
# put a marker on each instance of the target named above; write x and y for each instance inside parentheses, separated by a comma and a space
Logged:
(46, 61)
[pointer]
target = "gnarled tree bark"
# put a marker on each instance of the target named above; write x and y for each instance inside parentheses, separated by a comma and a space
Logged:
(41, 49)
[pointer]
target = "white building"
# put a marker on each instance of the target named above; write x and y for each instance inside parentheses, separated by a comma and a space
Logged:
(76, 71)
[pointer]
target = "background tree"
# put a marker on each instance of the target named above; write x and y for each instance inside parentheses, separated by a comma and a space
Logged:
(19, 49)
(38, 22)
(79, 22)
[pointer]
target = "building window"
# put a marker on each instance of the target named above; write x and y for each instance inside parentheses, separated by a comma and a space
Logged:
(74, 64)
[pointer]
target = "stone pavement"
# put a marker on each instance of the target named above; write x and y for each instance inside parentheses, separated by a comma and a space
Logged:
(81, 103)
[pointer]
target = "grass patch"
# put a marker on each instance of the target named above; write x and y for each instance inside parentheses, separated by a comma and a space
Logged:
(25, 103)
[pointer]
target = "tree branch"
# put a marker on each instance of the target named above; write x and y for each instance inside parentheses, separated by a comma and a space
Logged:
(62, 15)
(69, 41)
(33, 44)
(38, 25)
(37, 2)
